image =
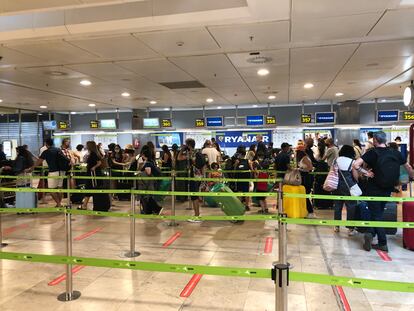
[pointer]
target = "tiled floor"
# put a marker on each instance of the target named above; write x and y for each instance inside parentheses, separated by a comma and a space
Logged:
(310, 249)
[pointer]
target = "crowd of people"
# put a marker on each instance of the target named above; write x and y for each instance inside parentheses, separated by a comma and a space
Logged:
(374, 168)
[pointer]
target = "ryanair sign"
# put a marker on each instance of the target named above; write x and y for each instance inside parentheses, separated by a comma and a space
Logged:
(233, 139)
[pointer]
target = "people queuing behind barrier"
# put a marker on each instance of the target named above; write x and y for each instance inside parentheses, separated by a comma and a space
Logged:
(384, 172)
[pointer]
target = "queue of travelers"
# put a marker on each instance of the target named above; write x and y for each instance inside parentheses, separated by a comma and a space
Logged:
(371, 171)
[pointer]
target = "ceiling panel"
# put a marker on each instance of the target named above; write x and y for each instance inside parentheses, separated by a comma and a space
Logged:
(332, 8)
(101, 70)
(16, 58)
(159, 70)
(251, 36)
(126, 46)
(54, 72)
(396, 23)
(58, 51)
(179, 42)
(333, 28)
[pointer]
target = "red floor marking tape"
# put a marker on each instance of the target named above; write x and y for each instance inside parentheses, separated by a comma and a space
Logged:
(15, 228)
(268, 245)
(384, 256)
(172, 239)
(188, 289)
(344, 300)
(87, 234)
(63, 276)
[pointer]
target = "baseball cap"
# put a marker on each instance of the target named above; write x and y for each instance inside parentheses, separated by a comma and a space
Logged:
(284, 145)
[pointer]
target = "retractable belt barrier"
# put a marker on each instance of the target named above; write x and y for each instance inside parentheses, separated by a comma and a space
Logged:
(258, 273)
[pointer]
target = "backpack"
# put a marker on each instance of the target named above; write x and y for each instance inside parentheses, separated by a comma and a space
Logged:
(200, 160)
(387, 168)
(243, 165)
(346, 180)
(63, 163)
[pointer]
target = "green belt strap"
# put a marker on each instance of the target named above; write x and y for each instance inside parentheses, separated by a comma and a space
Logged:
(201, 179)
(346, 198)
(32, 177)
(212, 270)
(347, 223)
(15, 210)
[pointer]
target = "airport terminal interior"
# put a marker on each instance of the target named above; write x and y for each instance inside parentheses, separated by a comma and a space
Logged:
(200, 155)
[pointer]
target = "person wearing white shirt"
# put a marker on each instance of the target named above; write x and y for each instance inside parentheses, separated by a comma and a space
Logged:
(212, 154)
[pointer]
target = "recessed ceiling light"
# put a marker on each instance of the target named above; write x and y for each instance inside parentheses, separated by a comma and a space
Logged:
(125, 94)
(73, 112)
(339, 94)
(263, 72)
(91, 105)
(315, 103)
(43, 107)
(85, 82)
(166, 109)
(153, 102)
(1, 100)
(209, 100)
(219, 107)
(272, 97)
(254, 106)
(308, 85)
(383, 100)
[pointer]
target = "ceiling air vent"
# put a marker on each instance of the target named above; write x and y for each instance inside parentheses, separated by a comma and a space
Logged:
(183, 85)
(259, 60)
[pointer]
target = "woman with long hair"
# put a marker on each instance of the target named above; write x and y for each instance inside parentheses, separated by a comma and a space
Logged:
(305, 167)
(93, 167)
(22, 166)
(166, 160)
(357, 148)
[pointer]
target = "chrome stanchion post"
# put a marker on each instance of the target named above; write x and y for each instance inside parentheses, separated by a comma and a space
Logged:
(132, 253)
(1, 236)
(69, 294)
(172, 223)
(281, 268)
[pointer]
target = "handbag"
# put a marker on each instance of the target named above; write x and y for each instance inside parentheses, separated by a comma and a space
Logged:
(354, 190)
(332, 180)
(292, 178)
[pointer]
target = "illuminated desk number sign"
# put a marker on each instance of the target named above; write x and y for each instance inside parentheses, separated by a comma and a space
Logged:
(94, 124)
(166, 123)
(306, 118)
(63, 125)
(270, 120)
(200, 123)
(408, 115)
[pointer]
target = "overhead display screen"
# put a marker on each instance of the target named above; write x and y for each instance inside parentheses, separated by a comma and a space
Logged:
(306, 118)
(168, 139)
(214, 121)
(325, 117)
(270, 120)
(408, 115)
(166, 123)
(109, 124)
(387, 115)
(200, 123)
(151, 123)
(254, 120)
(49, 125)
(63, 125)
(94, 124)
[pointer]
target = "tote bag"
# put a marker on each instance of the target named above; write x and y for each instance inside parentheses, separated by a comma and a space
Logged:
(332, 180)
(293, 178)
(354, 190)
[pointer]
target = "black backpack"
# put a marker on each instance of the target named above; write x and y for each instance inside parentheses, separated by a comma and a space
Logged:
(243, 165)
(200, 160)
(387, 168)
(63, 163)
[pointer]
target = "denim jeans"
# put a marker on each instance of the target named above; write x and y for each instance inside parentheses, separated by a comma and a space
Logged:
(376, 210)
(350, 209)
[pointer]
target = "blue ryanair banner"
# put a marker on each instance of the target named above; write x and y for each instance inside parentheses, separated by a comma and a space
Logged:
(233, 139)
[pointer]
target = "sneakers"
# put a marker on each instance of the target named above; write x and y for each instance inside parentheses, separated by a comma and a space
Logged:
(247, 208)
(367, 242)
(383, 248)
(311, 216)
(194, 221)
(336, 229)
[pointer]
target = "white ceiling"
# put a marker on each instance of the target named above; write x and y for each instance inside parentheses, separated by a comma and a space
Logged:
(362, 48)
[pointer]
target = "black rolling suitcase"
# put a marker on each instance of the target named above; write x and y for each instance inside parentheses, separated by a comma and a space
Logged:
(390, 214)
(319, 180)
(101, 201)
(124, 185)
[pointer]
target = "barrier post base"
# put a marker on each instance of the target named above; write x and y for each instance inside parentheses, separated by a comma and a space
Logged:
(132, 254)
(2, 245)
(69, 296)
(172, 224)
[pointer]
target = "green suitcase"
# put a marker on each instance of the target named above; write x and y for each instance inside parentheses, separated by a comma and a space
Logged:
(164, 185)
(231, 206)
